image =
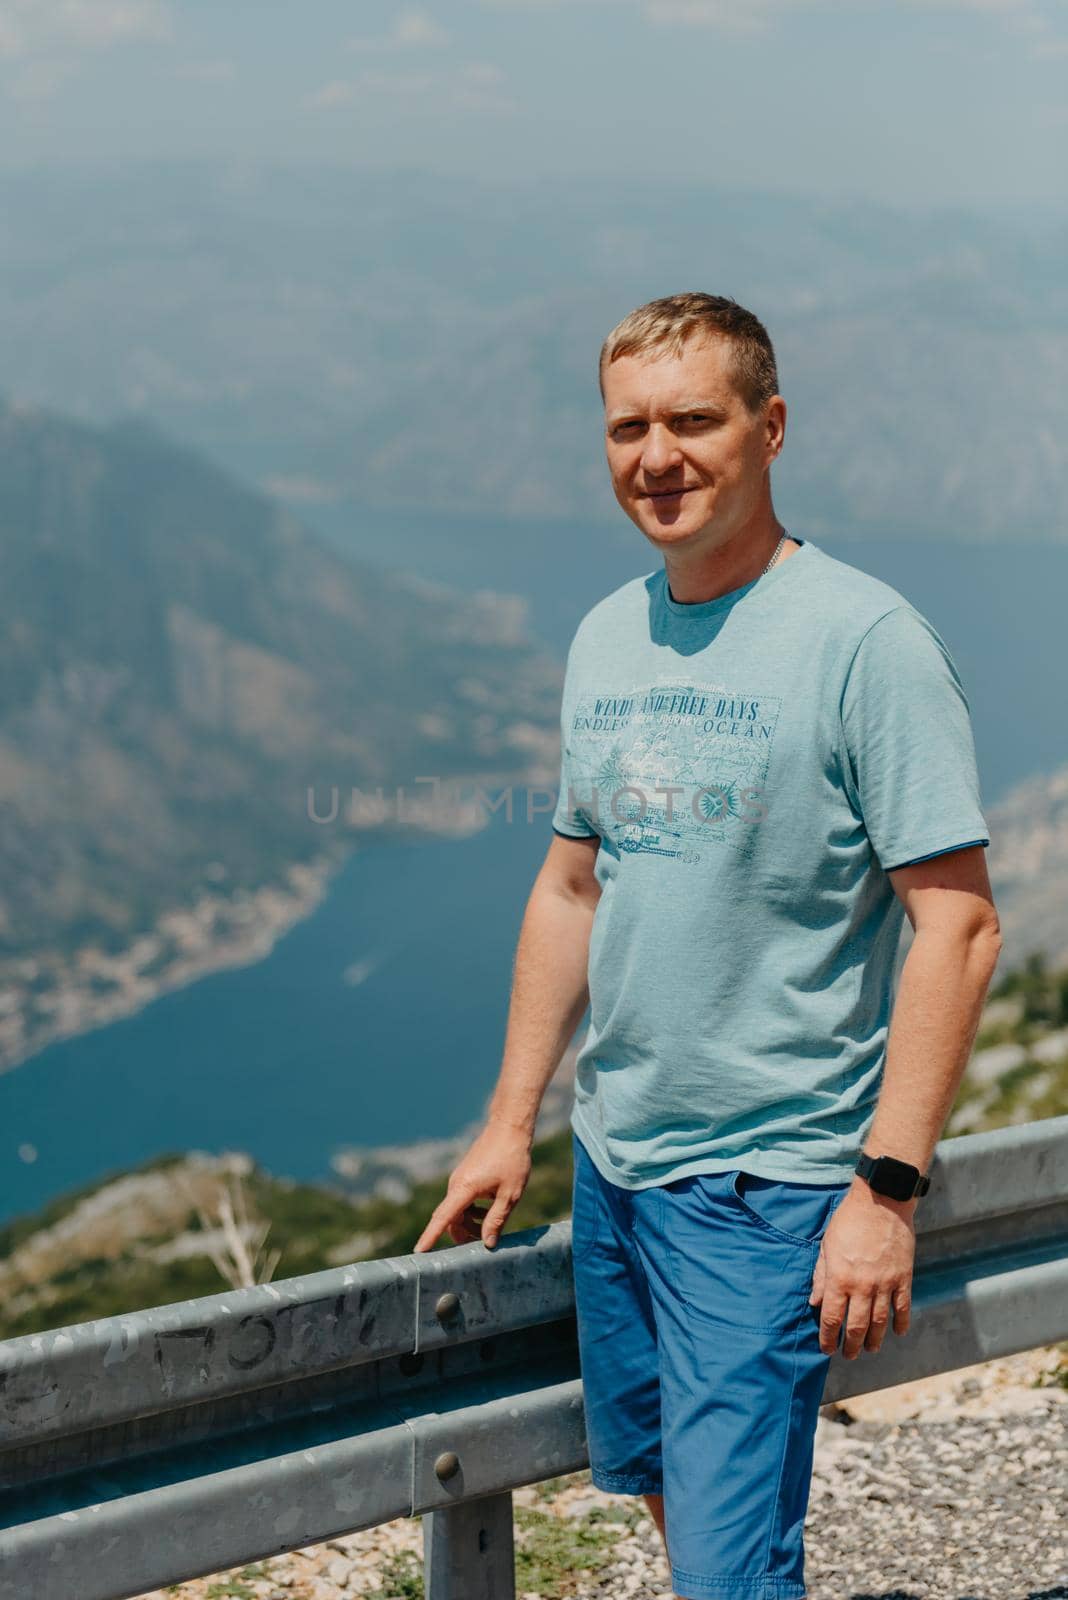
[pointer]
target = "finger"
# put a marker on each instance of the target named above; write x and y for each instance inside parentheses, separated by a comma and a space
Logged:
(446, 1214)
(459, 1234)
(434, 1229)
(493, 1226)
(818, 1278)
(834, 1309)
(857, 1324)
(491, 1235)
(466, 1225)
(880, 1320)
(429, 1235)
(902, 1308)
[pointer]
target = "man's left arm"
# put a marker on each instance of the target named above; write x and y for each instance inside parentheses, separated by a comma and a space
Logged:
(864, 1271)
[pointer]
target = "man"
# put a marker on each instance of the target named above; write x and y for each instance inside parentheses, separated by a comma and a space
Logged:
(767, 762)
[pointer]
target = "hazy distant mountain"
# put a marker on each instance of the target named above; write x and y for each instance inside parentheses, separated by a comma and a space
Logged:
(418, 342)
(179, 661)
(1028, 862)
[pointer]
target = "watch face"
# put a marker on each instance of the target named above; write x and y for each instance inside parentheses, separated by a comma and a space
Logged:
(896, 1179)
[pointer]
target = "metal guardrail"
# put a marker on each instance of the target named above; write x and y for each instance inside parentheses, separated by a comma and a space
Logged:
(145, 1449)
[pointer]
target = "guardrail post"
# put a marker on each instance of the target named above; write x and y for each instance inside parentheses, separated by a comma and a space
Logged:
(469, 1550)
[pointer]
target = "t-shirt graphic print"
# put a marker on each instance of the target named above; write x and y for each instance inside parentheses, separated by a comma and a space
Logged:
(674, 768)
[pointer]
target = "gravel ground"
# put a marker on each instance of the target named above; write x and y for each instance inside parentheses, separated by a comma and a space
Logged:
(953, 1488)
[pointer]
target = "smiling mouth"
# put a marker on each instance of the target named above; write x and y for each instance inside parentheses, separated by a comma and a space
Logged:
(669, 494)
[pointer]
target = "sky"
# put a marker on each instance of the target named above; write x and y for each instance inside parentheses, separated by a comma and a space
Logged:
(916, 102)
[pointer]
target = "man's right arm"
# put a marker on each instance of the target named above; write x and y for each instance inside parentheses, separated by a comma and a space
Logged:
(549, 980)
(549, 996)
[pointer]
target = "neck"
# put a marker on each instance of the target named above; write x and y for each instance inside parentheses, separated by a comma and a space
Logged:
(694, 577)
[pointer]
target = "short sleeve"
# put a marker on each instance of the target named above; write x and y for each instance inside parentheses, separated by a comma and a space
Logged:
(908, 745)
(569, 818)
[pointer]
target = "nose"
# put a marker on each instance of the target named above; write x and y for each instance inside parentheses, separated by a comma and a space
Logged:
(660, 451)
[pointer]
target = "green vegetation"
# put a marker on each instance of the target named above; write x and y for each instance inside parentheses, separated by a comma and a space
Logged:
(19, 1229)
(1016, 1092)
(309, 1224)
(402, 1578)
(552, 1552)
(1056, 1375)
(1042, 996)
(1024, 1009)
(106, 1288)
(235, 1587)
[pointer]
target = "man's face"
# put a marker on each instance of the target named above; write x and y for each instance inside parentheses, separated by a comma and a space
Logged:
(677, 423)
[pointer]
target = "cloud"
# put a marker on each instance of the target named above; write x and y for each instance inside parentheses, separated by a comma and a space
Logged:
(402, 84)
(30, 28)
(44, 42)
(1030, 18)
(412, 30)
(334, 93)
(40, 80)
(1005, 7)
(739, 15)
(732, 16)
(1046, 40)
(212, 70)
(476, 86)
(301, 489)
(415, 28)
(479, 87)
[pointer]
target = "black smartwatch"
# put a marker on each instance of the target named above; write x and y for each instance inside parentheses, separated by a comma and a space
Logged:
(898, 1180)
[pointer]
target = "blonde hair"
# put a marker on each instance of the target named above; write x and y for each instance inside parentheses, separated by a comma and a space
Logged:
(667, 323)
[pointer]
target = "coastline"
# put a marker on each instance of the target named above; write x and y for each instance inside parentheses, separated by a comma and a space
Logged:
(47, 997)
(390, 1171)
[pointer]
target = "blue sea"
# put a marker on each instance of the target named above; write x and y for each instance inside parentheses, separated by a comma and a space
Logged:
(379, 1019)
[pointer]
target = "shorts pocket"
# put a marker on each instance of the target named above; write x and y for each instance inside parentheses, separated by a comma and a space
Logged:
(585, 1203)
(726, 1265)
(796, 1213)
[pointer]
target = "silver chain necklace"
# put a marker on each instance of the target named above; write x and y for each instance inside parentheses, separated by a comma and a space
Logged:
(775, 556)
(767, 569)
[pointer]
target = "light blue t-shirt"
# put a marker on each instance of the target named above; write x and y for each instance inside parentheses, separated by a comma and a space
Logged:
(754, 766)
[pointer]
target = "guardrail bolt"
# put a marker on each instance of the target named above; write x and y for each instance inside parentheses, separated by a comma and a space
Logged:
(447, 1465)
(447, 1306)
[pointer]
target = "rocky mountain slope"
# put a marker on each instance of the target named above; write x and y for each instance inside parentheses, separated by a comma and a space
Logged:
(1028, 862)
(188, 679)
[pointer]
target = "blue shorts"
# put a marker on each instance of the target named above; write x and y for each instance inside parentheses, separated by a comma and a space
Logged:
(701, 1368)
